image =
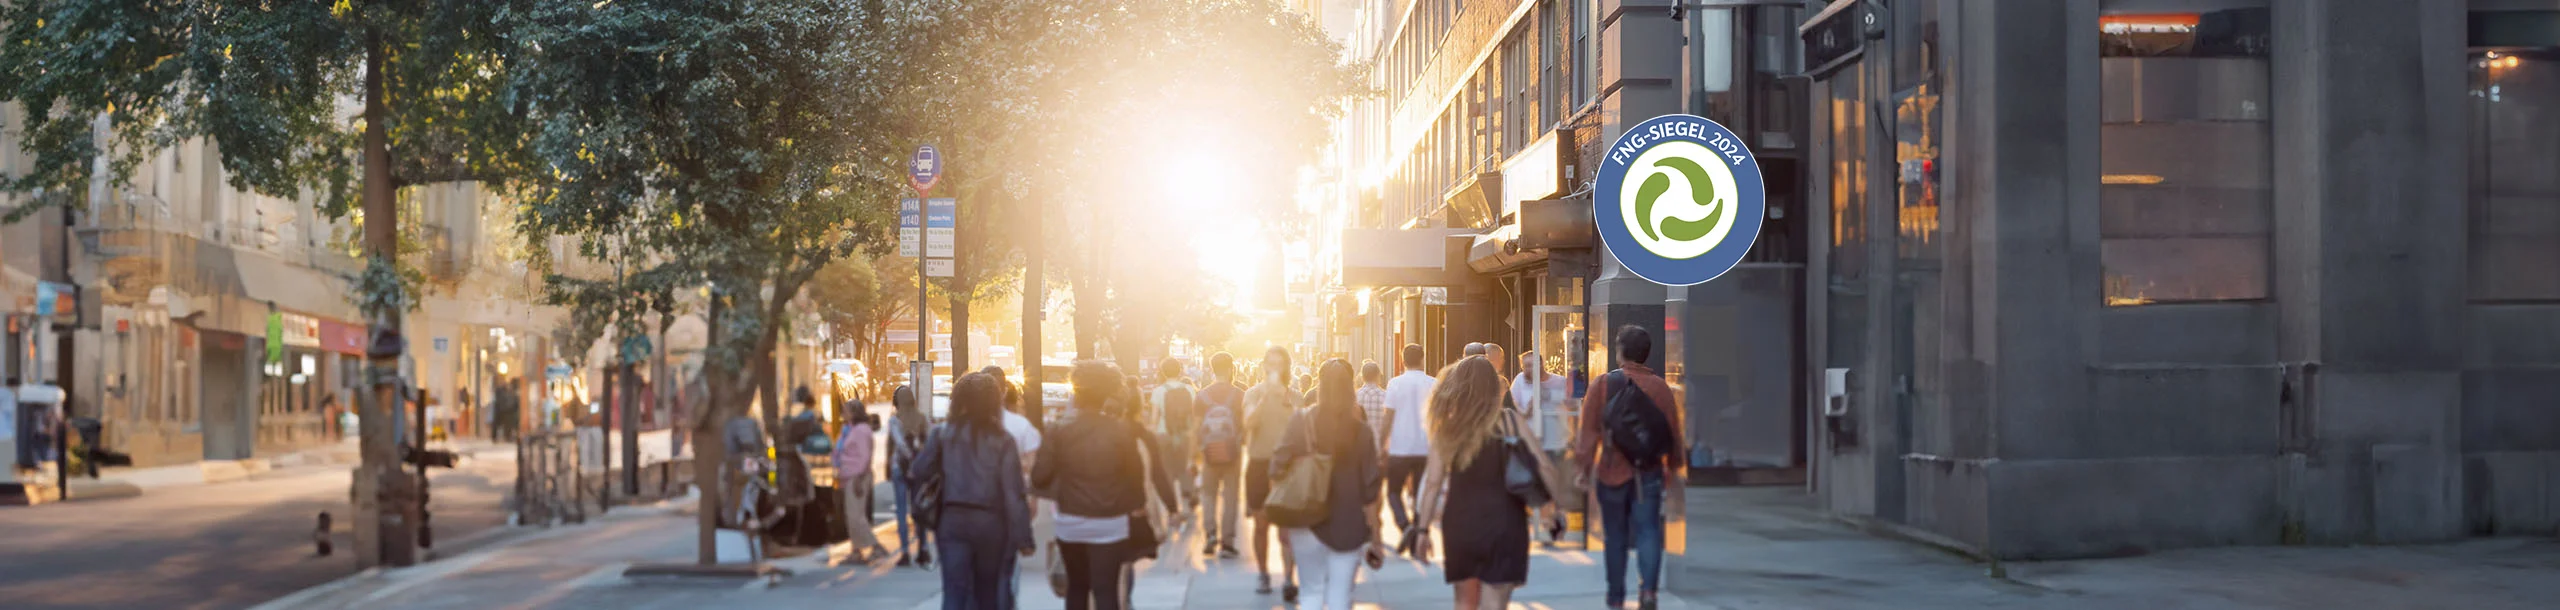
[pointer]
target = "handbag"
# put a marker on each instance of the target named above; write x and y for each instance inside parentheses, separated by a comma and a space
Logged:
(1057, 571)
(1522, 473)
(927, 500)
(1299, 493)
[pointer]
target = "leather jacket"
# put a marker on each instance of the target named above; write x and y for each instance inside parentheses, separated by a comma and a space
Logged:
(981, 470)
(1092, 468)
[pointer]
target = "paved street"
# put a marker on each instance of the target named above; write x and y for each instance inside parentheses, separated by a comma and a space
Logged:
(223, 545)
(1742, 549)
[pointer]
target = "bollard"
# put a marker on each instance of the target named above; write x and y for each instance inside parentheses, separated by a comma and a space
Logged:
(320, 536)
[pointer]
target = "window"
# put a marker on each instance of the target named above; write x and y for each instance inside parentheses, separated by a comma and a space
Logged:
(2185, 191)
(2515, 160)
(1845, 135)
(1586, 65)
(1551, 45)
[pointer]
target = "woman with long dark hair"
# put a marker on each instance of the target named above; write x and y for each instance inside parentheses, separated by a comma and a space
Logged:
(984, 523)
(1331, 545)
(1484, 527)
(908, 426)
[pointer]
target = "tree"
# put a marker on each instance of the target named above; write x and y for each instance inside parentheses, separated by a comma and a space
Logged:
(845, 295)
(266, 82)
(895, 281)
(759, 134)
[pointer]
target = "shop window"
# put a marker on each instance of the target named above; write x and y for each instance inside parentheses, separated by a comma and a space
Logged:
(2515, 158)
(1845, 135)
(2185, 187)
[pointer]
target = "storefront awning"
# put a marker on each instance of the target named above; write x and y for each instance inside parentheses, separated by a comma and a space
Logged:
(1414, 257)
(267, 279)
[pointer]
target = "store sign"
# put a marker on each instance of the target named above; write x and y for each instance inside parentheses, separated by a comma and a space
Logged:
(300, 330)
(1535, 173)
(1835, 36)
(342, 338)
(1678, 200)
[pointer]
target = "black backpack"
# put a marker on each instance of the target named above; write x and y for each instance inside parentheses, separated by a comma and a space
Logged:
(1637, 428)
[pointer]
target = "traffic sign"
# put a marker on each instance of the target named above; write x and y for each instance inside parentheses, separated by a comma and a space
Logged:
(939, 267)
(910, 227)
(941, 226)
(925, 168)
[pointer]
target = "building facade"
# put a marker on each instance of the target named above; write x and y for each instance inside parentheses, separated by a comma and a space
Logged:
(182, 281)
(1472, 218)
(2111, 275)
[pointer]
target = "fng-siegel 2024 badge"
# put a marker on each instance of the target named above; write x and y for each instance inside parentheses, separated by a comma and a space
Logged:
(1679, 199)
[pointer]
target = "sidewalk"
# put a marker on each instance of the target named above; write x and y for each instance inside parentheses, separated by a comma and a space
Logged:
(125, 482)
(1742, 548)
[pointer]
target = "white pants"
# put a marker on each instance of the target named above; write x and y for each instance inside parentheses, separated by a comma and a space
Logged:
(1325, 575)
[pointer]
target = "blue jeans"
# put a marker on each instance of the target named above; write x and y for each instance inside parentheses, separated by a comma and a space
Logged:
(908, 544)
(1631, 519)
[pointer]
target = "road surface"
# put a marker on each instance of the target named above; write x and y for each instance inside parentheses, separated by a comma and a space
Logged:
(228, 545)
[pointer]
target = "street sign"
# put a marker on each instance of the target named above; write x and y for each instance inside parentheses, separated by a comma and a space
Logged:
(925, 168)
(910, 227)
(938, 267)
(941, 223)
(45, 296)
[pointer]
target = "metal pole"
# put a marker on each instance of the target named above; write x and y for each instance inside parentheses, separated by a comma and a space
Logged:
(630, 430)
(924, 306)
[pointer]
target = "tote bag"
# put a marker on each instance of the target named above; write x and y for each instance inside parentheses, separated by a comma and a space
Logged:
(1298, 495)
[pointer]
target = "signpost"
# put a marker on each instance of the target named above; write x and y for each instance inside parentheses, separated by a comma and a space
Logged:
(924, 169)
(941, 226)
(911, 228)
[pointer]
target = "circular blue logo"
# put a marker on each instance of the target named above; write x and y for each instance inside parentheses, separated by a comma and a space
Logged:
(1679, 199)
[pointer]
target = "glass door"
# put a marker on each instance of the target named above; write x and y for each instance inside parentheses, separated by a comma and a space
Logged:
(1560, 344)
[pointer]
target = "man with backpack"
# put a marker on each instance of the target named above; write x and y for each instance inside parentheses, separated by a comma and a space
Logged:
(1630, 446)
(1221, 438)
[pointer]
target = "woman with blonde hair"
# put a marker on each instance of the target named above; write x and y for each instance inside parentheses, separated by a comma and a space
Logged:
(1484, 525)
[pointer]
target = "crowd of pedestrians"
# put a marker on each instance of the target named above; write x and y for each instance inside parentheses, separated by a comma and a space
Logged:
(1474, 463)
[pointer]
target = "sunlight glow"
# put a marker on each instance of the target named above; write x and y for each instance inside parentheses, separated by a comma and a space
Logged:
(1232, 252)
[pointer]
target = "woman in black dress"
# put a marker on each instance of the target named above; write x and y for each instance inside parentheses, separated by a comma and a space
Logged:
(1484, 527)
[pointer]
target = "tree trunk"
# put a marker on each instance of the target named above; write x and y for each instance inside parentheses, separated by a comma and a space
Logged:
(386, 507)
(1089, 305)
(1029, 355)
(710, 449)
(769, 390)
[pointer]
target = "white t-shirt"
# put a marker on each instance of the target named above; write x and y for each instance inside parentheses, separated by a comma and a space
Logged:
(1408, 394)
(1541, 403)
(1025, 437)
(1091, 530)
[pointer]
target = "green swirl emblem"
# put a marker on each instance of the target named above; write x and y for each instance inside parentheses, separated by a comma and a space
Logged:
(1701, 190)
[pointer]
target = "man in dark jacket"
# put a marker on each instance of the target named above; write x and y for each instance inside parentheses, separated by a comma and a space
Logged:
(1635, 497)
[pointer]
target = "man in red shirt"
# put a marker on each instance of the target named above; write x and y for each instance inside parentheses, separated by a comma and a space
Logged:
(1634, 497)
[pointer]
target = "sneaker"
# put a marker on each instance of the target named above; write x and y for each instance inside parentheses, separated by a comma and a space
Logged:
(1289, 594)
(906, 560)
(1227, 551)
(1209, 549)
(1265, 588)
(1646, 602)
